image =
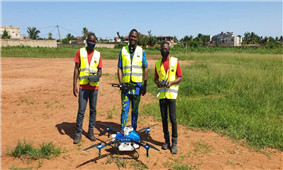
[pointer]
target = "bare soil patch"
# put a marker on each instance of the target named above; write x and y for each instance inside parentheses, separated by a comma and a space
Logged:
(37, 104)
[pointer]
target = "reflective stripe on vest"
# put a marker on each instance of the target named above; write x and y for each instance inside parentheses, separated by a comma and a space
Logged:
(170, 75)
(132, 68)
(86, 69)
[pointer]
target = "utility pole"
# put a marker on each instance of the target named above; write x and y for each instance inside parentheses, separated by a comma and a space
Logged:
(59, 34)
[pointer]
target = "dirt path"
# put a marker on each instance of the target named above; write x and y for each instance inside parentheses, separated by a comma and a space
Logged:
(37, 105)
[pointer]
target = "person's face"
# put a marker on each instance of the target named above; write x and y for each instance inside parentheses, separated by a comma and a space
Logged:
(91, 39)
(133, 37)
(165, 50)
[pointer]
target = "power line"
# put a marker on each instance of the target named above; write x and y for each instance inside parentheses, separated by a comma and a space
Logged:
(70, 30)
(46, 27)
(49, 31)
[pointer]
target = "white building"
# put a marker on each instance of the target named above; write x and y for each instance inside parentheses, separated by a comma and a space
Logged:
(14, 32)
(227, 39)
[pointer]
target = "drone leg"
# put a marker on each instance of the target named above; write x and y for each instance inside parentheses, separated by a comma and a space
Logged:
(147, 155)
(99, 154)
(108, 135)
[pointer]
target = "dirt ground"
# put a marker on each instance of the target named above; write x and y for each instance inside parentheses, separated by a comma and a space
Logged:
(37, 105)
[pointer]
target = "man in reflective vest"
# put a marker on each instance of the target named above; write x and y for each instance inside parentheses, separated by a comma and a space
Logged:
(88, 70)
(132, 76)
(167, 76)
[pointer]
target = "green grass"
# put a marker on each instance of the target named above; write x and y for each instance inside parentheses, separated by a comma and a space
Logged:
(27, 151)
(108, 53)
(238, 95)
(59, 52)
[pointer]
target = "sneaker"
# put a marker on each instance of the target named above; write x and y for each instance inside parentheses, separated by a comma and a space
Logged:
(91, 136)
(77, 139)
(165, 146)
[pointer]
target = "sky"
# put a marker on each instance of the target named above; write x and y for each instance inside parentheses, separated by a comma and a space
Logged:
(175, 18)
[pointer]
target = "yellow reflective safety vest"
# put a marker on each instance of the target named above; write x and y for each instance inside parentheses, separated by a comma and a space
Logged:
(132, 68)
(86, 69)
(170, 75)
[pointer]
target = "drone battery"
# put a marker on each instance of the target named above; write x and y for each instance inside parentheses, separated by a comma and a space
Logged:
(113, 137)
(125, 147)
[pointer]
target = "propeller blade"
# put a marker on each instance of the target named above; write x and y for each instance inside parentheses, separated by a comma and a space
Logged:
(143, 129)
(153, 147)
(143, 145)
(110, 128)
(112, 142)
(92, 146)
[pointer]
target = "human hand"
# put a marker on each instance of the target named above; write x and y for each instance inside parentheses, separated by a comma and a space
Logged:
(169, 84)
(143, 90)
(75, 91)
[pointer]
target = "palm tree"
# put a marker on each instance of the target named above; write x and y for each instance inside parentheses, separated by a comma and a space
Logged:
(85, 32)
(33, 33)
(70, 37)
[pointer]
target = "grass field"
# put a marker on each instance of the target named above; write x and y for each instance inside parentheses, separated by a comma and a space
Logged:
(107, 53)
(236, 94)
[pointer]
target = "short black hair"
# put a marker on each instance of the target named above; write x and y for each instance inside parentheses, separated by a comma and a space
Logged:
(91, 34)
(133, 31)
(165, 42)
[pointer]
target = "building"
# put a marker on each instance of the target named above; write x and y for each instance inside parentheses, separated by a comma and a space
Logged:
(226, 39)
(167, 38)
(14, 32)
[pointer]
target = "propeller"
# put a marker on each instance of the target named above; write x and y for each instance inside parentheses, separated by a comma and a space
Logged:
(143, 129)
(110, 128)
(92, 146)
(146, 145)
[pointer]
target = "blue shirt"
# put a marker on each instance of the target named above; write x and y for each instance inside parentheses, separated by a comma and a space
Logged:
(135, 91)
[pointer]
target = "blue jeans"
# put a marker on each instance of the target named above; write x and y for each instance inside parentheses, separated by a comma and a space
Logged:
(84, 95)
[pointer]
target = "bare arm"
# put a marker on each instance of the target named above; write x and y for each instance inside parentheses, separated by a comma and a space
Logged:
(179, 79)
(145, 74)
(99, 73)
(156, 82)
(143, 90)
(119, 74)
(75, 79)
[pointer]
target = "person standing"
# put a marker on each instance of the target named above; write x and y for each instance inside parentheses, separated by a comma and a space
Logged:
(88, 70)
(167, 76)
(132, 77)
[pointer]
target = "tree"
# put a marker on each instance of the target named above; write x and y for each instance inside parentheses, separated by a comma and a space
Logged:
(33, 33)
(85, 33)
(152, 40)
(175, 39)
(251, 38)
(5, 35)
(120, 37)
(50, 36)
(142, 40)
(68, 38)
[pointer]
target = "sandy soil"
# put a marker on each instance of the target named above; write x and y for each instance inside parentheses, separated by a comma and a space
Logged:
(37, 104)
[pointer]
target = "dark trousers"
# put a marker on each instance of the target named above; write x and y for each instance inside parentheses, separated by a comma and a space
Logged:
(84, 95)
(170, 104)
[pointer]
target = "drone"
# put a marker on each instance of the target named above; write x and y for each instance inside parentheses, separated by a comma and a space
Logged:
(125, 140)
